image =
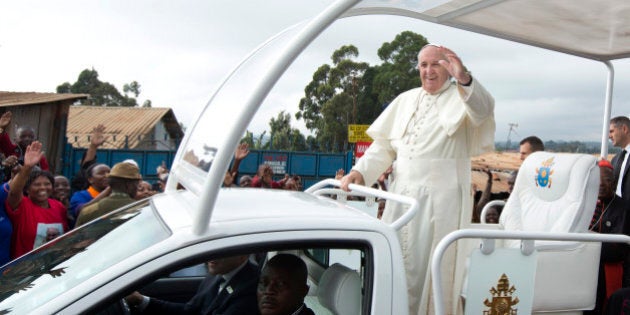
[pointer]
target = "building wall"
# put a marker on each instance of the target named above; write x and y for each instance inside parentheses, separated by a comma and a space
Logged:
(161, 138)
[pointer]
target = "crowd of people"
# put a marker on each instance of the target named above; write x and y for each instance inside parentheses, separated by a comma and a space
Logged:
(263, 177)
(37, 206)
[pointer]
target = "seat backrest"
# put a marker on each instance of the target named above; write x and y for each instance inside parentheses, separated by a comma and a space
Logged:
(553, 192)
(339, 290)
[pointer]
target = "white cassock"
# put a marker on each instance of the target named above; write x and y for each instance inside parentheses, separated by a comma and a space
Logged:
(431, 138)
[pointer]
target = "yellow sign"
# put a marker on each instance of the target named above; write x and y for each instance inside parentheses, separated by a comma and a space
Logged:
(356, 133)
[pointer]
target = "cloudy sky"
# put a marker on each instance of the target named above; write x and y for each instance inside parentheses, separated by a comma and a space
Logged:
(179, 51)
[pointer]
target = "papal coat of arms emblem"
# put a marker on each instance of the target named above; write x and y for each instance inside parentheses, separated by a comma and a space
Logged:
(502, 299)
(544, 172)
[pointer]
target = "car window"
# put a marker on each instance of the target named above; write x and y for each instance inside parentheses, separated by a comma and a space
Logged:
(318, 255)
(198, 270)
(171, 285)
(325, 257)
(53, 268)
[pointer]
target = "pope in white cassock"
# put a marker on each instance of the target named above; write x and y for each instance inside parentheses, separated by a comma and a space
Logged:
(430, 134)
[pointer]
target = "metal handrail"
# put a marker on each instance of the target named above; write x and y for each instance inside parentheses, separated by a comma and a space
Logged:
(399, 223)
(482, 215)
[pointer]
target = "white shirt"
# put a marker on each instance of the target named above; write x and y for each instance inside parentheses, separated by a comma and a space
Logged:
(621, 172)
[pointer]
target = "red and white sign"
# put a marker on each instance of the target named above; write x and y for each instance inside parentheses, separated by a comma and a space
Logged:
(360, 148)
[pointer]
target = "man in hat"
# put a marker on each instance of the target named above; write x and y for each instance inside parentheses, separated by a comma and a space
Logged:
(123, 180)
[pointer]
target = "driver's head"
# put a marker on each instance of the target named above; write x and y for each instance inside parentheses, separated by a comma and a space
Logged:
(223, 266)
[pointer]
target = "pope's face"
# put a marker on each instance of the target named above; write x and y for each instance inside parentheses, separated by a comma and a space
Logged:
(432, 74)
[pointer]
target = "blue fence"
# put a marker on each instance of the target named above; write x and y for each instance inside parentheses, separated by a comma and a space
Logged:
(311, 167)
(148, 160)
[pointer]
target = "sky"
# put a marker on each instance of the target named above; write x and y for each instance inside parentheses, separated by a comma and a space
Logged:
(180, 51)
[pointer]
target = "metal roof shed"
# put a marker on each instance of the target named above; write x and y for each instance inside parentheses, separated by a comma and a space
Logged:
(47, 113)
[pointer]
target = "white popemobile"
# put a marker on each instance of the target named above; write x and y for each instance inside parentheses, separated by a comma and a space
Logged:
(354, 260)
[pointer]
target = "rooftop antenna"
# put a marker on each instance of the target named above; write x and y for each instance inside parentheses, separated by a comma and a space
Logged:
(513, 127)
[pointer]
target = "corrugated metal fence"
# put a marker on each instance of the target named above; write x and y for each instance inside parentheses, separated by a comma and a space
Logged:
(310, 166)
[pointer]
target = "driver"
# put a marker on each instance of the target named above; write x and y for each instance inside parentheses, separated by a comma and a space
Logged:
(229, 289)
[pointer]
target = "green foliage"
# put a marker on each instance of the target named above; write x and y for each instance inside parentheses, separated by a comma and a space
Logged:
(283, 137)
(66, 87)
(254, 143)
(101, 93)
(132, 87)
(332, 99)
(367, 101)
(399, 70)
(312, 144)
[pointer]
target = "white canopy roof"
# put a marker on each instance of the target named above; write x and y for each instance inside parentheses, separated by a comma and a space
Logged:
(594, 29)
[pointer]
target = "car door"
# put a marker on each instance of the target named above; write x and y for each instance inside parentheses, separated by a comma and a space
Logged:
(377, 278)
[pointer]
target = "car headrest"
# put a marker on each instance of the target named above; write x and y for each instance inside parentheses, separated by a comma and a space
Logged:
(339, 290)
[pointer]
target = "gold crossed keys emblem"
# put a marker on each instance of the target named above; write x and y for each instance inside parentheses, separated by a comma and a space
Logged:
(502, 300)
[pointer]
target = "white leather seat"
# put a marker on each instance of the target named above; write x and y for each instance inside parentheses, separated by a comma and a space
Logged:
(557, 192)
(339, 290)
(562, 200)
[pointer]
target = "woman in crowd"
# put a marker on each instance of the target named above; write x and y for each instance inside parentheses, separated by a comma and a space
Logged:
(36, 217)
(97, 178)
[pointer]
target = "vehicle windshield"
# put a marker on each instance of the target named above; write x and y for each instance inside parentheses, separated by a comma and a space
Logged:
(64, 263)
(229, 105)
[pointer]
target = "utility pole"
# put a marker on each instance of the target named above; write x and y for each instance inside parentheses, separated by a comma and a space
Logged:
(513, 127)
(354, 99)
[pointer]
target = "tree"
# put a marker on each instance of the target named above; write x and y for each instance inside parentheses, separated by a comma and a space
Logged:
(368, 105)
(312, 144)
(101, 93)
(66, 87)
(283, 136)
(254, 143)
(399, 70)
(132, 87)
(332, 98)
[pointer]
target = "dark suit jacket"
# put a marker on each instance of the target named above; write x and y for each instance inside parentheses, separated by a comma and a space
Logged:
(306, 311)
(625, 180)
(242, 300)
(625, 191)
